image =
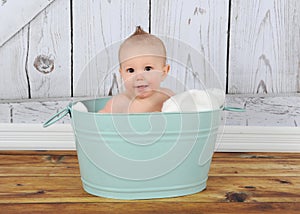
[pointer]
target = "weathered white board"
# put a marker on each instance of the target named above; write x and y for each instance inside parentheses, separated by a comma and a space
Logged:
(5, 113)
(98, 27)
(78, 48)
(264, 46)
(36, 62)
(32, 111)
(201, 28)
(13, 69)
(49, 57)
(281, 110)
(15, 14)
(37, 112)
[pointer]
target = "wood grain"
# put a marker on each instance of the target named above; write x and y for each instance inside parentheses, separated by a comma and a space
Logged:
(54, 189)
(274, 111)
(37, 112)
(244, 182)
(97, 35)
(13, 62)
(69, 44)
(32, 111)
(49, 59)
(199, 29)
(5, 112)
(280, 110)
(224, 165)
(264, 47)
(154, 207)
(18, 15)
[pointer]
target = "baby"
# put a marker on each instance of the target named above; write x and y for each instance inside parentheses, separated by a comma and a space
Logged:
(143, 67)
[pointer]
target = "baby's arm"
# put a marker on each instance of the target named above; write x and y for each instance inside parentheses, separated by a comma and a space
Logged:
(117, 104)
(168, 92)
(107, 108)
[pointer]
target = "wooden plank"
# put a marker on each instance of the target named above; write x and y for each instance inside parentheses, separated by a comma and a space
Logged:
(58, 159)
(13, 55)
(61, 165)
(250, 189)
(154, 207)
(49, 59)
(32, 153)
(251, 167)
(73, 154)
(37, 112)
(97, 34)
(198, 52)
(265, 191)
(279, 110)
(260, 110)
(31, 111)
(246, 168)
(5, 113)
(15, 14)
(264, 46)
(39, 164)
(255, 155)
(38, 171)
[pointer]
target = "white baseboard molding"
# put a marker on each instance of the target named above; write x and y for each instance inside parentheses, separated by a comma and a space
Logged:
(35, 137)
(230, 139)
(259, 139)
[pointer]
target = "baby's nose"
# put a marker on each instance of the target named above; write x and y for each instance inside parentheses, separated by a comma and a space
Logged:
(140, 75)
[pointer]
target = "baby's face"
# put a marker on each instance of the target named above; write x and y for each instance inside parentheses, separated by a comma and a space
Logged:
(142, 75)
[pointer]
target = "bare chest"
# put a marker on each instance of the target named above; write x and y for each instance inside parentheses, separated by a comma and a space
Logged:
(146, 105)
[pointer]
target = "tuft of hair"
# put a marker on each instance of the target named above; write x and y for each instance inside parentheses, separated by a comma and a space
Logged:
(139, 31)
(140, 37)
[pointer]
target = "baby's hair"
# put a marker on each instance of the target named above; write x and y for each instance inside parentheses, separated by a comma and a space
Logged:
(142, 38)
(139, 31)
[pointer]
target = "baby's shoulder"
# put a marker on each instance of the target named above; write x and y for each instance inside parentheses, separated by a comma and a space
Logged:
(168, 92)
(122, 97)
(116, 104)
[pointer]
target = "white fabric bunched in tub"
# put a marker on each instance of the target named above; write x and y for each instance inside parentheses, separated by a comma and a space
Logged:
(195, 101)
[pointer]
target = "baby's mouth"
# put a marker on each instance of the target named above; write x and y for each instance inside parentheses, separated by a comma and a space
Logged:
(141, 87)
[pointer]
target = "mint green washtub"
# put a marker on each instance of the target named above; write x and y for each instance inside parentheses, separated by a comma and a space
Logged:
(144, 155)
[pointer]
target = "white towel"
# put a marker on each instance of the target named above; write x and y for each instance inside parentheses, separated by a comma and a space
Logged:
(79, 106)
(195, 100)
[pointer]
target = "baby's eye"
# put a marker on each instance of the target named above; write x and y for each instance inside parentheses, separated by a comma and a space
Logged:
(148, 68)
(130, 70)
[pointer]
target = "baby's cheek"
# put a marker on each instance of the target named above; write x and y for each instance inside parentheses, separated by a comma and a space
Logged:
(155, 75)
(127, 80)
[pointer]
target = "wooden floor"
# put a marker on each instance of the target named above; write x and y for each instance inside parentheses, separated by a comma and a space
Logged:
(49, 182)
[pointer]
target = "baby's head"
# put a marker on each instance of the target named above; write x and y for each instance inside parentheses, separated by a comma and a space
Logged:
(141, 43)
(143, 66)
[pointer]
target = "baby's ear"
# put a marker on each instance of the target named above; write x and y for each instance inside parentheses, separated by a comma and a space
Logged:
(120, 71)
(166, 70)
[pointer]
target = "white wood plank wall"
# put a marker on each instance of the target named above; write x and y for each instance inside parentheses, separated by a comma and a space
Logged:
(49, 54)
(96, 35)
(264, 46)
(60, 49)
(202, 25)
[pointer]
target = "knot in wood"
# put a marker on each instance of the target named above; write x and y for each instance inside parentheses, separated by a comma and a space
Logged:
(236, 196)
(44, 64)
